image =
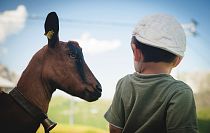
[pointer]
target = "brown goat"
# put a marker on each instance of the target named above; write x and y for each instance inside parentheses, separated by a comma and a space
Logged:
(58, 65)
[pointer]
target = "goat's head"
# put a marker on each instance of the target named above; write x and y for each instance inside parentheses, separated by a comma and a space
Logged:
(64, 66)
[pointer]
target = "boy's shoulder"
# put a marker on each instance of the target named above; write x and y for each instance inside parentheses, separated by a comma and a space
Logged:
(166, 80)
(125, 80)
(180, 85)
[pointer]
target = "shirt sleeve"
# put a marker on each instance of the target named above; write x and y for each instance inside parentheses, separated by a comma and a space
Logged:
(115, 113)
(181, 113)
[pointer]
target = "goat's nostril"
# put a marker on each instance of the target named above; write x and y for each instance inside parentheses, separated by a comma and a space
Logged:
(99, 88)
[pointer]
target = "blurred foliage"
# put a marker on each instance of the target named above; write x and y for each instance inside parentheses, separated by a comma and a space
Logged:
(202, 100)
(204, 120)
(68, 111)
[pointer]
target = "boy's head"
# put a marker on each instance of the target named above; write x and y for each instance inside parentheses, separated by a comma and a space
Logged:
(159, 38)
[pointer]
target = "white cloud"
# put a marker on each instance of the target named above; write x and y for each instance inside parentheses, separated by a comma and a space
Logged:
(12, 21)
(93, 46)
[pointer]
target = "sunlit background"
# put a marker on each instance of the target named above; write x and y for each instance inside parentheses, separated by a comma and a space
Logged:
(103, 29)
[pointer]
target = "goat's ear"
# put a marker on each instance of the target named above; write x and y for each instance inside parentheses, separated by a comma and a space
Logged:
(51, 29)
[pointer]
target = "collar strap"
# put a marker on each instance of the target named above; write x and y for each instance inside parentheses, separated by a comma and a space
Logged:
(35, 112)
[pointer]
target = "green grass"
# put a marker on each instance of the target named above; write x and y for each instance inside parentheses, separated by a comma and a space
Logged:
(204, 120)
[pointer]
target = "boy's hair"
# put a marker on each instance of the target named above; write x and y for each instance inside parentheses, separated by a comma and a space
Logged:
(153, 54)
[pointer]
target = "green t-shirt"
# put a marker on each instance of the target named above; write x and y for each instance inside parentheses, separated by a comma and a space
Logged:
(153, 104)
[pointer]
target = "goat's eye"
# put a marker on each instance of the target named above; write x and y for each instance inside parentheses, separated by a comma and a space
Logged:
(75, 52)
(72, 54)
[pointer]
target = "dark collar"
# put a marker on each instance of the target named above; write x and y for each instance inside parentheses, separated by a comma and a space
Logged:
(35, 112)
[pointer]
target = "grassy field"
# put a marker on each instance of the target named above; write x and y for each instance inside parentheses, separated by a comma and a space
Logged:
(84, 117)
(66, 111)
(204, 120)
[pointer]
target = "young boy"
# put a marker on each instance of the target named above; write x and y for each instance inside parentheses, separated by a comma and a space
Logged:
(150, 100)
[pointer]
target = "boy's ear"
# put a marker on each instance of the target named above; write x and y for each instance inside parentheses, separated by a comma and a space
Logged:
(51, 29)
(177, 61)
(136, 53)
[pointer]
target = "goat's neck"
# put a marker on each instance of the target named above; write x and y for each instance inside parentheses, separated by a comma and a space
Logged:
(32, 86)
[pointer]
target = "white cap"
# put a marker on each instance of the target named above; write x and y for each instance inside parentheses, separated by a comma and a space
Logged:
(161, 31)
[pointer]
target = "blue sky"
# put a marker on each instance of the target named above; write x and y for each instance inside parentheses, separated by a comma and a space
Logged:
(103, 28)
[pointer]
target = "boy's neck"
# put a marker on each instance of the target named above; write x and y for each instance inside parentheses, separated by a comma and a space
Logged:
(156, 68)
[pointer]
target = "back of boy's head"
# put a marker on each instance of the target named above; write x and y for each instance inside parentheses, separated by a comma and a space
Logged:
(160, 37)
(153, 54)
